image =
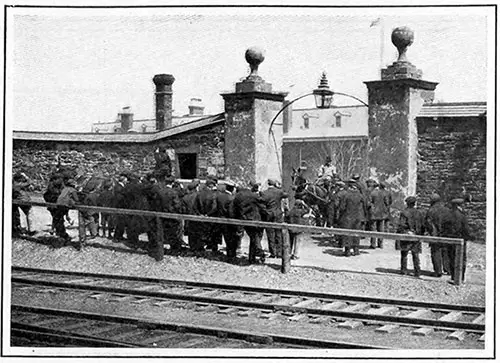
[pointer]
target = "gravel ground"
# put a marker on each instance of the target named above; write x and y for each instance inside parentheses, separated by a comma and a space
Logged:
(321, 268)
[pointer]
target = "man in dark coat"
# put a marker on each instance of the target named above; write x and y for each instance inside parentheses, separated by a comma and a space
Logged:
(68, 198)
(411, 221)
(52, 193)
(248, 205)
(272, 198)
(171, 203)
(119, 201)
(205, 204)
(457, 226)
(106, 199)
(191, 228)
(232, 233)
(135, 198)
(435, 218)
(351, 211)
(379, 212)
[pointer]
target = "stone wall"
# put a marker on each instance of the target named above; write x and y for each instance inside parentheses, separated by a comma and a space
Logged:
(452, 162)
(38, 158)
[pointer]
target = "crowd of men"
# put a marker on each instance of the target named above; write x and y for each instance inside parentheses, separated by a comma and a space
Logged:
(354, 205)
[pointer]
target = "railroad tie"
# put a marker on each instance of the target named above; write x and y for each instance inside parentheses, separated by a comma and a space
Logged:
(58, 321)
(333, 305)
(457, 335)
(269, 316)
(149, 287)
(163, 303)
(383, 310)
(99, 296)
(141, 301)
(355, 307)
(305, 303)
(227, 311)
(128, 334)
(79, 325)
(208, 308)
(248, 312)
(297, 317)
(350, 324)
(453, 316)
(266, 299)
(194, 342)
(320, 319)
(390, 328)
(161, 335)
(422, 331)
(291, 301)
(417, 314)
(208, 293)
(479, 320)
(120, 298)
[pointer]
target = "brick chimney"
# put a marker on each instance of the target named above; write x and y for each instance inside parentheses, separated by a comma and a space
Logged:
(163, 97)
(195, 107)
(126, 119)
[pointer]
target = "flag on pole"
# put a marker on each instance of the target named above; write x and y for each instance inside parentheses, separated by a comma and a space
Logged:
(375, 22)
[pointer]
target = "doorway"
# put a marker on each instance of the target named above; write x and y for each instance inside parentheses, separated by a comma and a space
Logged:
(187, 165)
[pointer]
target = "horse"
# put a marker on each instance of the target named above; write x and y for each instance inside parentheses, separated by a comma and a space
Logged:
(316, 196)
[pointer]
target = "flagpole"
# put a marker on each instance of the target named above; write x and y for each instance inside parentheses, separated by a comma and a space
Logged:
(382, 36)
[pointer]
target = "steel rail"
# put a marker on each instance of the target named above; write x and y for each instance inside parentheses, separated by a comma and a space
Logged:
(269, 306)
(267, 339)
(37, 333)
(309, 294)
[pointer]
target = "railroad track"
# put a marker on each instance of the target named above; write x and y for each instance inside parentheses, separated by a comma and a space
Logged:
(33, 326)
(350, 312)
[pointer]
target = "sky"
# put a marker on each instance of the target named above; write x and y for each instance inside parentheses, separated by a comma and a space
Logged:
(69, 68)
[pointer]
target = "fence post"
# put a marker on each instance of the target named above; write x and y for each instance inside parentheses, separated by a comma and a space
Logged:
(159, 252)
(285, 252)
(81, 227)
(459, 261)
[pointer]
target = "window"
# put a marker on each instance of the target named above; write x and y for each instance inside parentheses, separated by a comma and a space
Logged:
(187, 165)
(338, 121)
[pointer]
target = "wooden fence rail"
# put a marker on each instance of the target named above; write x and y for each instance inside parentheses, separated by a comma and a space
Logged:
(456, 242)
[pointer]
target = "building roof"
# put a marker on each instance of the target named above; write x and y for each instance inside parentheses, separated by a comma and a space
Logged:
(119, 137)
(455, 109)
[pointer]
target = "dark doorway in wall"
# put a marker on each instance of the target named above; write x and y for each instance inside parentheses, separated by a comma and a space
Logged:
(187, 165)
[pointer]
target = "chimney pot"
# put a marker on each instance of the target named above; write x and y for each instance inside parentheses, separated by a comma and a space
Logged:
(163, 98)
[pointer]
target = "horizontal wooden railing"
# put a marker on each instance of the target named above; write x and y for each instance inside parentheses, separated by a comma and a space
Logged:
(456, 242)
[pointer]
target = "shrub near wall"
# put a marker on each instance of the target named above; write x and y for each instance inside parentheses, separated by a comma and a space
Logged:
(39, 158)
(452, 162)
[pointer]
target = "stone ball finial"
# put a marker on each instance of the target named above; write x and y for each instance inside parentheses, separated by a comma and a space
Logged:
(254, 56)
(402, 37)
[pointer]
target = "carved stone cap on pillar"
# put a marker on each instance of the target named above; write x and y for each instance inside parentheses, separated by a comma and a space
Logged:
(162, 80)
(254, 56)
(402, 38)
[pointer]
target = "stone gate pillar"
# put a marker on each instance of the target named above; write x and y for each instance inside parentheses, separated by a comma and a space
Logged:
(394, 102)
(251, 154)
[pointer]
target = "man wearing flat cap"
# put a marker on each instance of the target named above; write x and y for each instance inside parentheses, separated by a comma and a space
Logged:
(411, 222)
(272, 198)
(191, 228)
(380, 203)
(457, 226)
(232, 234)
(205, 204)
(435, 219)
